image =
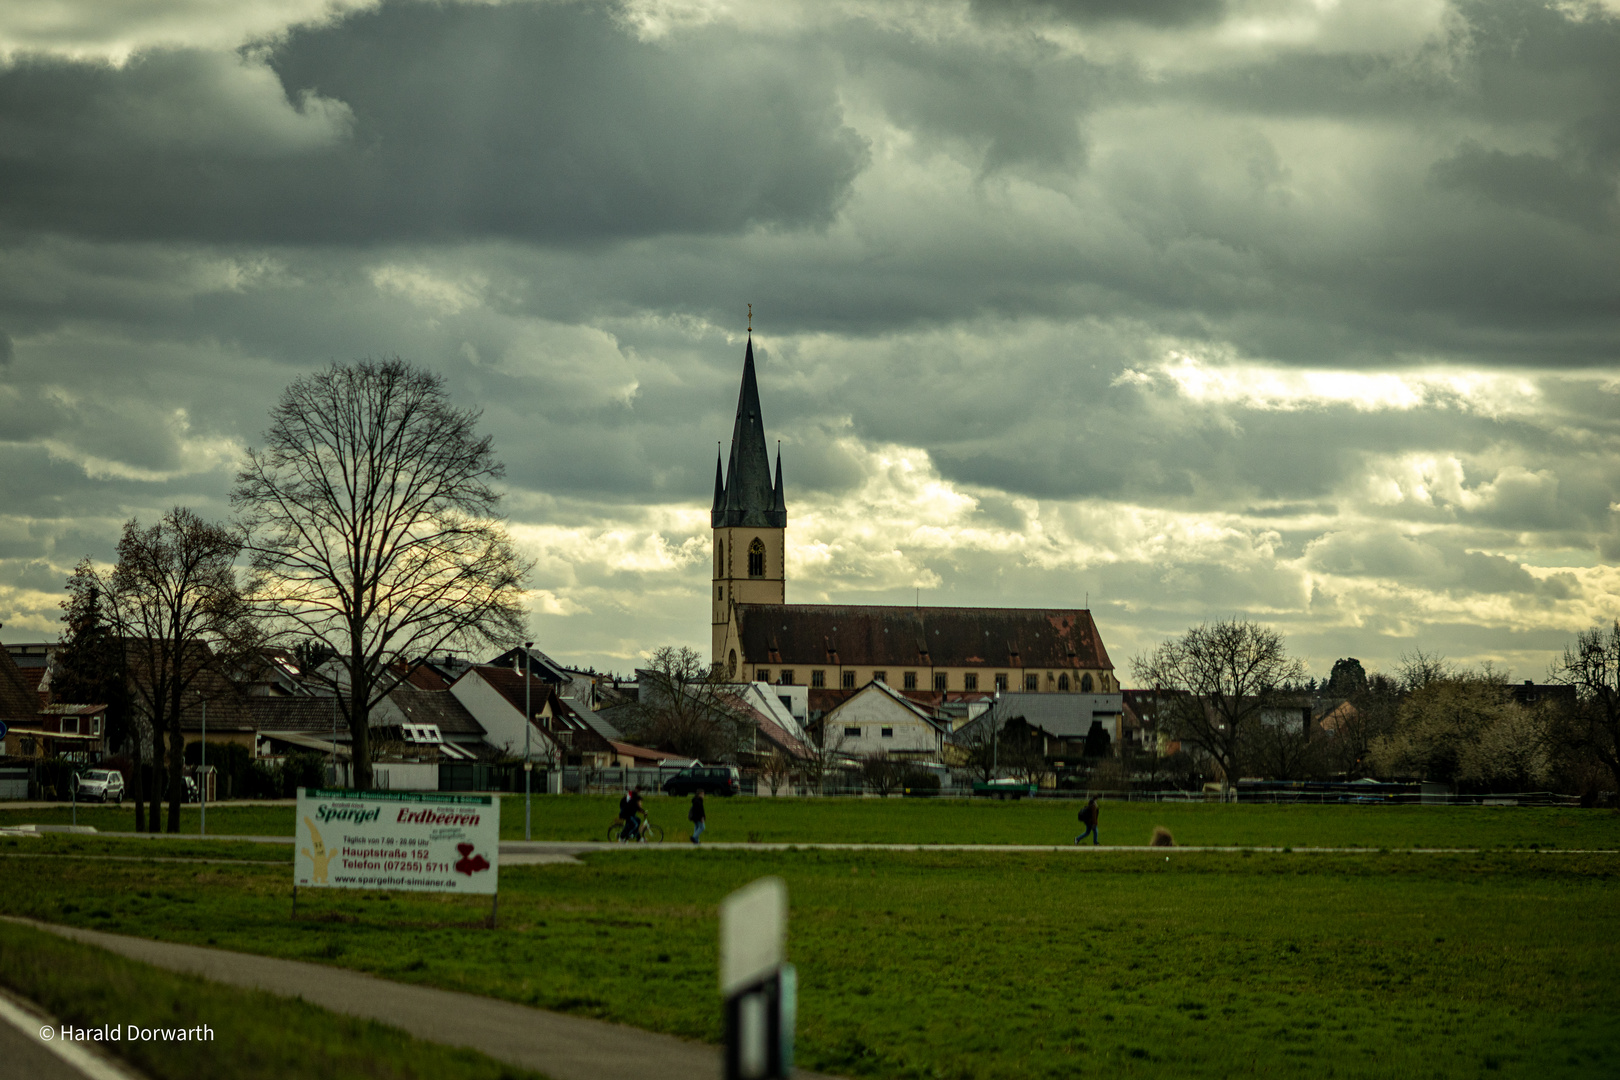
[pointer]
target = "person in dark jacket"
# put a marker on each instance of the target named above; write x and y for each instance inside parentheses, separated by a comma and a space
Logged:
(630, 811)
(697, 816)
(1088, 818)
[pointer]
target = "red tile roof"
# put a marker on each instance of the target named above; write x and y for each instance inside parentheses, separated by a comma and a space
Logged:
(863, 636)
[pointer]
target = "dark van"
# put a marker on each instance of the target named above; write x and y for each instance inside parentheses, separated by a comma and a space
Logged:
(709, 779)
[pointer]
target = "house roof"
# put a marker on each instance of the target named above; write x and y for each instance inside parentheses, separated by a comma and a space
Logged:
(1064, 716)
(641, 753)
(404, 705)
(920, 636)
(906, 704)
(541, 664)
(18, 699)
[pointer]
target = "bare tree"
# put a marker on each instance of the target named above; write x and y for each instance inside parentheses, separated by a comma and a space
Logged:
(882, 773)
(777, 771)
(371, 526)
(174, 599)
(1592, 724)
(685, 707)
(1231, 673)
(823, 754)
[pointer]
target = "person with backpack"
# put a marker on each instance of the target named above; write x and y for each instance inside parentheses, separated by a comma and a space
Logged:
(1088, 818)
(697, 816)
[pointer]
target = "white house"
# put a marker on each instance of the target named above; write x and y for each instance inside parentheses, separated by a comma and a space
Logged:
(879, 717)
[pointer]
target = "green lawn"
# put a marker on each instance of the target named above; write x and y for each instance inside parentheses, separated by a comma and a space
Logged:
(949, 821)
(965, 964)
(257, 1036)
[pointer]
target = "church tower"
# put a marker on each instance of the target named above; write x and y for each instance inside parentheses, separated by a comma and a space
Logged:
(749, 519)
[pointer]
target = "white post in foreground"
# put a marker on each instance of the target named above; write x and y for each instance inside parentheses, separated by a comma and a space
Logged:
(761, 991)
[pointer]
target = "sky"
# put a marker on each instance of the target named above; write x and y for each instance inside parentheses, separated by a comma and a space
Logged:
(1297, 311)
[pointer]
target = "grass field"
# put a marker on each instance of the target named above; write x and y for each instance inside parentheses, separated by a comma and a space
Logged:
(257, 1036)
(953, 821)
(966, 964)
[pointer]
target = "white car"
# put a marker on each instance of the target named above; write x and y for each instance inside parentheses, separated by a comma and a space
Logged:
(102, 785)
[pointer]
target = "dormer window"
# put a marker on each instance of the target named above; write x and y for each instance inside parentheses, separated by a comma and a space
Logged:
(756, 558)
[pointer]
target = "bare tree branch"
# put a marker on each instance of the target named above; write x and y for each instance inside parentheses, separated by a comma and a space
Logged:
(371, 524)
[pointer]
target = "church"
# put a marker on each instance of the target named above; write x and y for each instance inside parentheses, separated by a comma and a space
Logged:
(759, 637)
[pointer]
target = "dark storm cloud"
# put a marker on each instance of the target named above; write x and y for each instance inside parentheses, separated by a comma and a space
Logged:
(542, 122)
(1084, 12)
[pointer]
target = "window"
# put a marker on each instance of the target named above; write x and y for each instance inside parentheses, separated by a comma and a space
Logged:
(70, 725)
(787, 677)
(763, 674)
(852, 733)
(719, 558)
(1085, 684)
(911, 680)
(1032, 683)
(941, 680)
(881, 676)
(849, 680)
(731, 665)
(756, 558)
(970, 681)
(95, 725)
(1001, 680)
(1063, 681)
(888, 732)
(719, 592)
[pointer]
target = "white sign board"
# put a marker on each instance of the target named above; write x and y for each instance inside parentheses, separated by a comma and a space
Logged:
(753, 930)
(396, 840)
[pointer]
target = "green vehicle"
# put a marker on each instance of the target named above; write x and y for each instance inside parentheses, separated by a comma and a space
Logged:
(1004, 788)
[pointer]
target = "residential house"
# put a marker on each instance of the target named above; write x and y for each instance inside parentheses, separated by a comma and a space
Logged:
(879, 719)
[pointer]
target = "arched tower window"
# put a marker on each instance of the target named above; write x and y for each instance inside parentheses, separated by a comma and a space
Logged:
(731, 665)
(719, 558)
(756, 558)
(1085, 684)
(1063, 681)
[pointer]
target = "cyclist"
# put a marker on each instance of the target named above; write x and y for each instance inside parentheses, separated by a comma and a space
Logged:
(631, 812)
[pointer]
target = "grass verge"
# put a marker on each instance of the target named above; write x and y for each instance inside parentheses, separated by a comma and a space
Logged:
(257, 1036)
(986, 965)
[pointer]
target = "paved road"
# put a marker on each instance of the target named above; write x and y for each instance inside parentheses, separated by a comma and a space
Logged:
(562, 1047)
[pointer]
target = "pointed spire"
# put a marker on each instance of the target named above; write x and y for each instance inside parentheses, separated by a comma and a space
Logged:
(781, 493)
(719, 487)
(750, 498)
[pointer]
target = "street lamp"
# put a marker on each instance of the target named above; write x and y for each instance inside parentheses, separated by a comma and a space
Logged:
(528, 722)
(202, 769)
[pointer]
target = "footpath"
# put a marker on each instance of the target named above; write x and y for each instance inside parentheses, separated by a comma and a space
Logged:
(562, 1047)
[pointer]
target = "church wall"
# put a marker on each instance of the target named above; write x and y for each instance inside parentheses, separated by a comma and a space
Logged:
(1047, 681)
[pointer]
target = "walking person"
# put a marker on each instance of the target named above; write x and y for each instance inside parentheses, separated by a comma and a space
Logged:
(1088, 818)
(697, 816)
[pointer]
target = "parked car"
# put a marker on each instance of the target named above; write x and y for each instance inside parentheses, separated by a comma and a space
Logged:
(709, 779)
(102, 785)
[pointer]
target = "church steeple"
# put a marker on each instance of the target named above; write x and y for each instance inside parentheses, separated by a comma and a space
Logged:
(749, 496)
(750, 522)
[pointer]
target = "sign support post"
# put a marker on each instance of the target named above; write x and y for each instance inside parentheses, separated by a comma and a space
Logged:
(761, 992)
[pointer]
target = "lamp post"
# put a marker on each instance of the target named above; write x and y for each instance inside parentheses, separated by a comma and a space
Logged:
(202, 770)
(528, 722)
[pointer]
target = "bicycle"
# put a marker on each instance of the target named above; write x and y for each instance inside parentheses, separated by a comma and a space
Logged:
(650, 833)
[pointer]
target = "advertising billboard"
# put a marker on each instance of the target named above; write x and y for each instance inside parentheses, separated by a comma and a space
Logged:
(417, 841)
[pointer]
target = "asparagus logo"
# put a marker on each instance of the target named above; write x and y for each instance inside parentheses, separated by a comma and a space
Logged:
(321, 856)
